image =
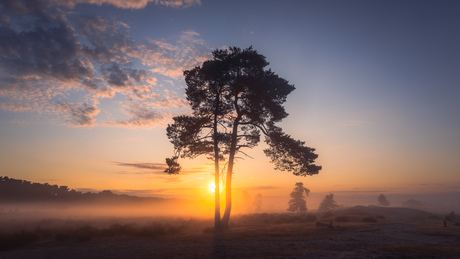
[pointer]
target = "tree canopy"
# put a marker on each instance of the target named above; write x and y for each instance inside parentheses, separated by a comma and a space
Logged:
(234, 99)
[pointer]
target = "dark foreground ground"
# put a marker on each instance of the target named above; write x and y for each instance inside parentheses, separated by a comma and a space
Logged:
(360, 232)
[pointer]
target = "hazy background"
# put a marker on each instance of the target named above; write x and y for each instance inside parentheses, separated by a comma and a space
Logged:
(86, 92)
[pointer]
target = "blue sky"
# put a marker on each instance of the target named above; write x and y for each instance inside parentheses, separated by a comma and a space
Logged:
(87, 90)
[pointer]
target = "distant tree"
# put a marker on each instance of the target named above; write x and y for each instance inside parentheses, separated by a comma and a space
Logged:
(233, 99)
(257, 203)
(297, 202)
(328, 203)
(383, 200)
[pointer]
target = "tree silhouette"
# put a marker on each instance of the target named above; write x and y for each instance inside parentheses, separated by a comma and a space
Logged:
(383, 200)
(233, 99)
(297, 202)
(328, 203)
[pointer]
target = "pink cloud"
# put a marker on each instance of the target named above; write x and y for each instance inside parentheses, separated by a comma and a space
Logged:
(133, 4)
(68, 61)
(79, 115)
(172, 59)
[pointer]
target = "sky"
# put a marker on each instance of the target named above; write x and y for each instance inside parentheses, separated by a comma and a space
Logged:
(87, 88)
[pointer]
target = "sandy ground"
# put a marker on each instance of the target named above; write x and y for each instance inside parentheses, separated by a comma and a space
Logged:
(397, 234)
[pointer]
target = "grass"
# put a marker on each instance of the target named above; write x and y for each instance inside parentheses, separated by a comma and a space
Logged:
(369, 220)
(421, 251)
(272, 218)
(13, 240)
(342, 219)
(19, 234)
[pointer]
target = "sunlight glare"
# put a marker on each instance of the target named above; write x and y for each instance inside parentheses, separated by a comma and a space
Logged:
(212, 187)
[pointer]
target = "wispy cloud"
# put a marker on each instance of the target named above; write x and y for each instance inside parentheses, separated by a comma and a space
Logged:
(56, 62)
(172, 59)
(151, 166)
(141, 116)
(158, 168)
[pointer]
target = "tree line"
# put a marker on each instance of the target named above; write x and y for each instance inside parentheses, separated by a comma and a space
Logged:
(16, 190)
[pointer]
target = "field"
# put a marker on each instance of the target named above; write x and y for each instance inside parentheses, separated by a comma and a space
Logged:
(358, 232)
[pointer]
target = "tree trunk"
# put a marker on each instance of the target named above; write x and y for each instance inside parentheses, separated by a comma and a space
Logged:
(217, 223)
(228, 183)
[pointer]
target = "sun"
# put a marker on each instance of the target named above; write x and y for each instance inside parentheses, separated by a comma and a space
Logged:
(212, 187)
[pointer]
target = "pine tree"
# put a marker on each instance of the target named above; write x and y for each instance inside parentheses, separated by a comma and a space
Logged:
(383, 200)
(297, 202)
(234, 99)
(328, 203)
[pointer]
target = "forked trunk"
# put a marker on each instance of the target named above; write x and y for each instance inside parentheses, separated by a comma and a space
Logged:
(228, 183)
(228, 194)
(217, 224)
